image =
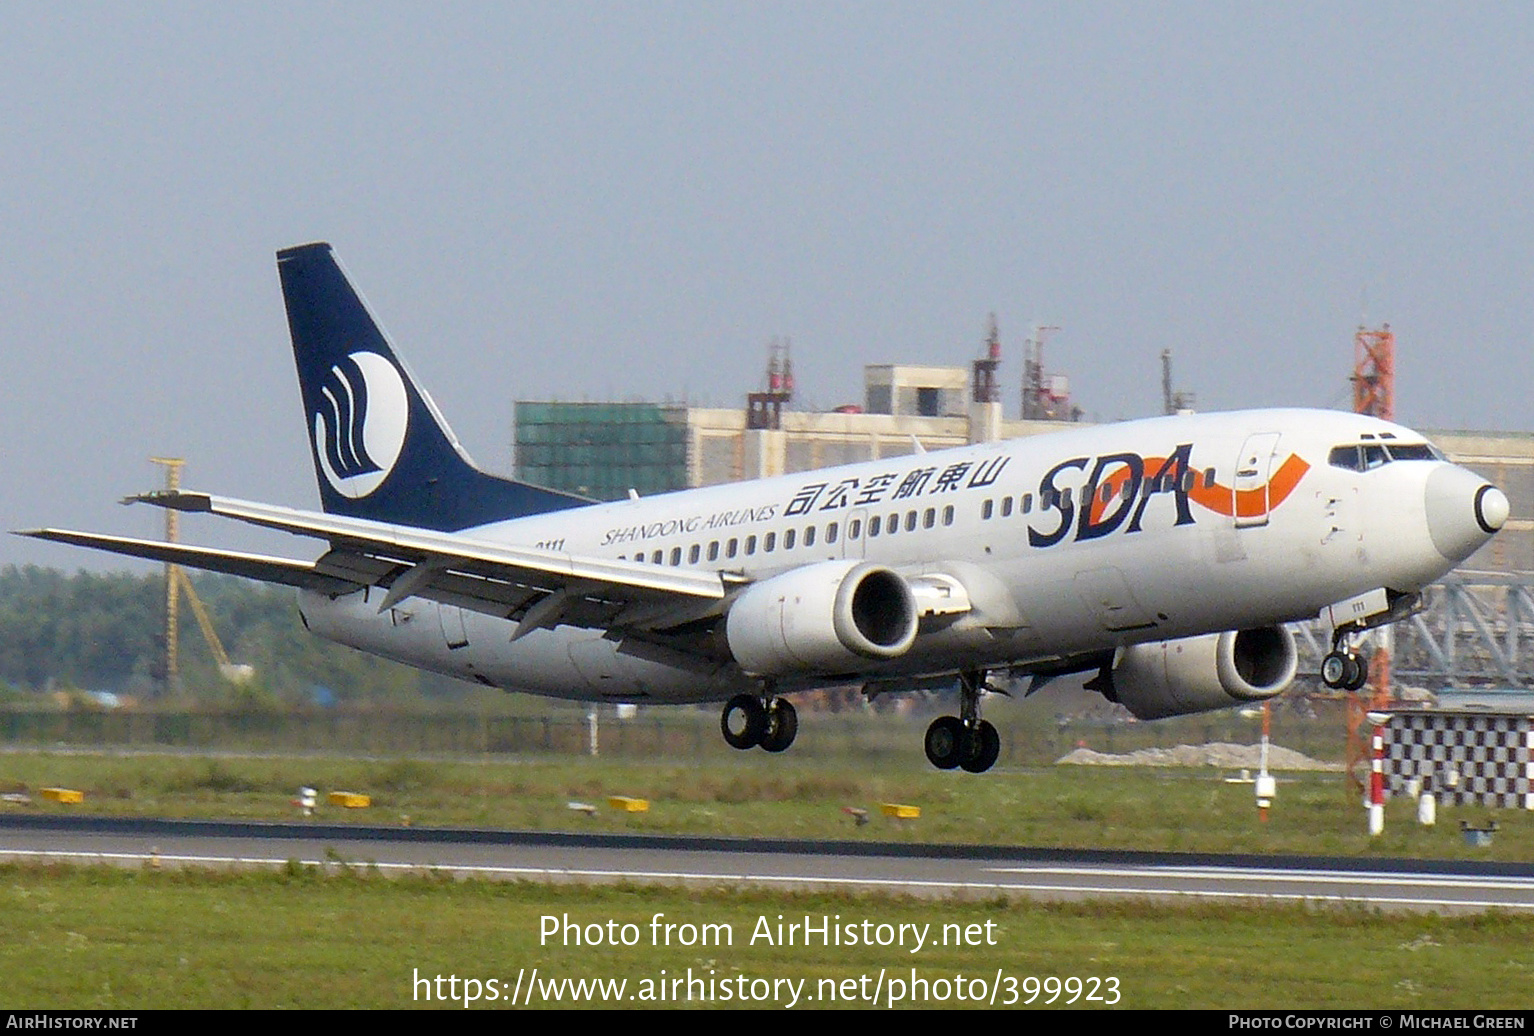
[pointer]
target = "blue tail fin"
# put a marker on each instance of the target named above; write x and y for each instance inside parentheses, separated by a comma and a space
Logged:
(381, 449)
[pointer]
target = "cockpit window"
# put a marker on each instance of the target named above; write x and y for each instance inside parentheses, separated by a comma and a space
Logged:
(1413, 451)
(1369, 455)
(1345, 457)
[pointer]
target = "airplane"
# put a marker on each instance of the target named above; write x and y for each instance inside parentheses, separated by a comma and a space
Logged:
(1165, 555)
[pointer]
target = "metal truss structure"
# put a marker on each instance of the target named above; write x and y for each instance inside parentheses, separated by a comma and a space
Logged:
(1476, 630)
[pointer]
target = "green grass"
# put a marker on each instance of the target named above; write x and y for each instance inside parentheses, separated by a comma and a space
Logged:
(753, 794)
(343, 936)
(98, 938)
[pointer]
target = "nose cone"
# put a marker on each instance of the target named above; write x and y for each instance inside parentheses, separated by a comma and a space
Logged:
(1463, 511)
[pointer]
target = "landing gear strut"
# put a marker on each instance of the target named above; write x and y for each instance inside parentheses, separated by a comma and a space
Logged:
(749, 720)
(1342, 668)
(965, 740)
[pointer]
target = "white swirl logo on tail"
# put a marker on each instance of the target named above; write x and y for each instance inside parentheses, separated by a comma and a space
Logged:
(360, 424)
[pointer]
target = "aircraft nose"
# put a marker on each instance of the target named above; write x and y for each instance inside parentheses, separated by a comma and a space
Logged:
(1463, 511)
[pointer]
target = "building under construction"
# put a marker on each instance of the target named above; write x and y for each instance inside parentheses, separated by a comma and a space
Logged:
(603, 450)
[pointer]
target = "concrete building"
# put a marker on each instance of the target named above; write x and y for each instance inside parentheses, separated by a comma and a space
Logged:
(605, 449)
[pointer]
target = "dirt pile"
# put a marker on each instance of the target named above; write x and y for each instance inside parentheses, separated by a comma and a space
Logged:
(1219, 754)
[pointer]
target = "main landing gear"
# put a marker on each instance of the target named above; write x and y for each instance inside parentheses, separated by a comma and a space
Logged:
(1342, 668)
(964, 740)
(749, 720)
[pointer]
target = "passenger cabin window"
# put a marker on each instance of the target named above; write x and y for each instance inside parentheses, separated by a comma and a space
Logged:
(750, 545)
(809, 535)
(769, 542)
(788, 540)
(1006, 506)
(987, 509)
(831, 533)
(948, 515)
(692, 554)
(873, 525)
(676, 555)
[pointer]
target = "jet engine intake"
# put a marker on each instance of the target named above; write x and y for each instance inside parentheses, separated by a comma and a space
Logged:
(1197, 674)
(830, 617)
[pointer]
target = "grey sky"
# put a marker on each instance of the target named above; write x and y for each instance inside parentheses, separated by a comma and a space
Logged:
(628, 200)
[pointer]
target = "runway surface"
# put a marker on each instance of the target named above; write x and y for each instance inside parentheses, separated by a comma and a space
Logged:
(1445, 886)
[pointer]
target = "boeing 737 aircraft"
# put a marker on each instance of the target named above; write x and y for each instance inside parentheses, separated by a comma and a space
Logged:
(1163, 555)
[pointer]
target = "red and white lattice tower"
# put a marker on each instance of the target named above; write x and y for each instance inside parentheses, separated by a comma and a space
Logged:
(1374, 373)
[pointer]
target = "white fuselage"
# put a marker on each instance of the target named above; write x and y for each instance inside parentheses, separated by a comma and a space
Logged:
(1198, 524)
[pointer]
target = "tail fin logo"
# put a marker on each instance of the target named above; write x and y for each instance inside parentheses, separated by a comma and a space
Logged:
(360, 423)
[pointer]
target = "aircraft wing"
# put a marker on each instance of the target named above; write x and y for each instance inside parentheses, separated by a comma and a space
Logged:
(301, 574)
(539, 588)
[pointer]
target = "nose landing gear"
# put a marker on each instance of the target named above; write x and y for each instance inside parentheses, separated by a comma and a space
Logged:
(1342, 668)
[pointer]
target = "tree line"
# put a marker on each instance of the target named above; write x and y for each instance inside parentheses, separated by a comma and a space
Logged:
(106, 632)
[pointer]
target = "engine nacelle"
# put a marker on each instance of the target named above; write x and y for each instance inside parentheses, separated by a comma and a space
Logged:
(829, 617)
(1197, 674)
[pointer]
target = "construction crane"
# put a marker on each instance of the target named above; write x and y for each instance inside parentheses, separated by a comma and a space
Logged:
(1172, 401)
(177, 583)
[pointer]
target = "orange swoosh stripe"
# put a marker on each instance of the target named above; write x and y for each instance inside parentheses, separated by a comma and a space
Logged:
(1249, 503)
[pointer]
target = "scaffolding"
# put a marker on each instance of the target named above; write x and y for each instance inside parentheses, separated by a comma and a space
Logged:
(602, 450)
